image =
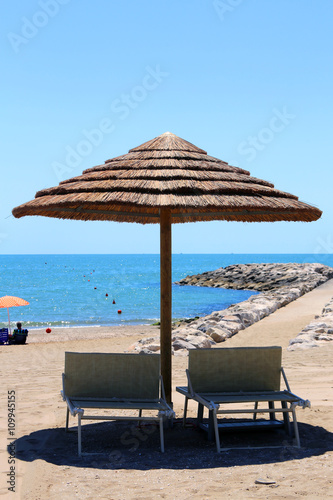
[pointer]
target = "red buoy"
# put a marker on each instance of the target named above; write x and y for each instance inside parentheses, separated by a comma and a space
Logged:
(119, 311)
(106, 295)
(48, 330)
(113, 302)
(95, 287)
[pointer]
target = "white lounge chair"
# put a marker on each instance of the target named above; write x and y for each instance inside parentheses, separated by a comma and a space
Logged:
(218, 377)
(114, 382)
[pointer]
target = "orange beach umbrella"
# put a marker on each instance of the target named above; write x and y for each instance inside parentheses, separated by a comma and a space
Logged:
(8, 301)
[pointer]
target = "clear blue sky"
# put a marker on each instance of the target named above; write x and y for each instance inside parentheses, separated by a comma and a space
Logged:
(248, 81)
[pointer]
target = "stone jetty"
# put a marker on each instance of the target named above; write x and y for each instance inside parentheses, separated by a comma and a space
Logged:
(280, 284)
(262, 277)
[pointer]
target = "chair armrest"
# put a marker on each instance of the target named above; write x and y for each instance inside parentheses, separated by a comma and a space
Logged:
(285, 378)
(303, 403)
(73, 409)
(189, 384)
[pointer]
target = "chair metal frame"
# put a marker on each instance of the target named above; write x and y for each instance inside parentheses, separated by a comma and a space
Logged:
(215, 402)
(79, 398)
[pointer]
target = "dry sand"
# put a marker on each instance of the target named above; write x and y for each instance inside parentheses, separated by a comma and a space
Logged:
(128, 463)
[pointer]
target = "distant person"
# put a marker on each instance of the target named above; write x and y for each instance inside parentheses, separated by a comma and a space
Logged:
(19, 335)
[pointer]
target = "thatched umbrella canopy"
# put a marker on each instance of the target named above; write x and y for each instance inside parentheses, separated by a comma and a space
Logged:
(167, 180)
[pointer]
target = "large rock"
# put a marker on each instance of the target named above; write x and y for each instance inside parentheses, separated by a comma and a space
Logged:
(182, 344)
(218, 334)
(200, 342)
(317, 333)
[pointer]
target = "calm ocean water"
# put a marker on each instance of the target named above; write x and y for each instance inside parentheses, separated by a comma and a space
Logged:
(70, 290)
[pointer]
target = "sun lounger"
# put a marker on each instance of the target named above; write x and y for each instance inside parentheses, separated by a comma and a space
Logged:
(220, 377)
(114, 382)
(3, 335)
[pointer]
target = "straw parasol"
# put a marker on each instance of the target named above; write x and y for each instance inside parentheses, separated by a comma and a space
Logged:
(167, 180)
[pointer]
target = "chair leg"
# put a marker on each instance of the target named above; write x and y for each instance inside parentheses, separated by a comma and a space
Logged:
(185, 411)
(255, 407)
(67, 419)
(296, 428)
(161, 434)
(200, 414)
(216, 427)
(286, 418)
(79, 435)
(211, 424)
(271, 407)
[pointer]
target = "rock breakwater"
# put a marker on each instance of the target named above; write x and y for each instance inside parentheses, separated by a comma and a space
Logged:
(262, 277)
(316, 333)
(280, 283)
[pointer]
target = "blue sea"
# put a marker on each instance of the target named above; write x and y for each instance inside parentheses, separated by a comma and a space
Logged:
(79, 290)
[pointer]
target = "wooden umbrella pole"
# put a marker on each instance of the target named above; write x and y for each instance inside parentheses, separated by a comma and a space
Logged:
(10, 330)
(166, 298)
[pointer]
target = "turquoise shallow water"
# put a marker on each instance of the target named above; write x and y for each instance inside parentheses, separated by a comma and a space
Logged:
(70, 290)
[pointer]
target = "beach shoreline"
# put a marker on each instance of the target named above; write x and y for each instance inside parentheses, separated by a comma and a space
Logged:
(77, 333)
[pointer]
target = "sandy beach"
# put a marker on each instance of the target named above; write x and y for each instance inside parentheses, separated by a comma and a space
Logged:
(125, 462)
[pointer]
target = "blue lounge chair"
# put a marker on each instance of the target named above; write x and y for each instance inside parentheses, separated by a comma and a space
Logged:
(3, 336)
